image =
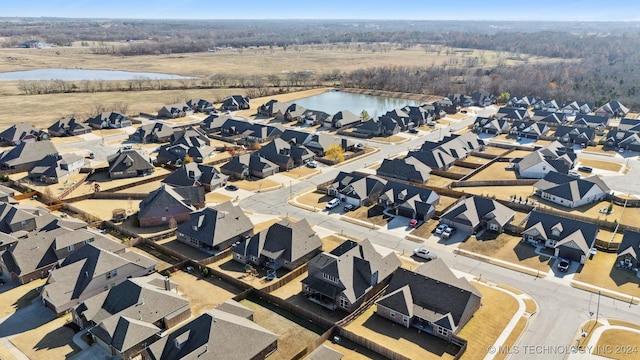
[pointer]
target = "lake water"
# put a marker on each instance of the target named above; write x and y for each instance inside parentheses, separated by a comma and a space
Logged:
(333, 101)
(83, 74)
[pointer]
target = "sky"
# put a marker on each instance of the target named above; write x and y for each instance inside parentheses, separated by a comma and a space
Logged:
(549, 10)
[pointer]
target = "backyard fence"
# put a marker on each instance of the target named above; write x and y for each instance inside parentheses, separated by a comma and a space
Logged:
(472, 183)
(370, 344)
(607, 246)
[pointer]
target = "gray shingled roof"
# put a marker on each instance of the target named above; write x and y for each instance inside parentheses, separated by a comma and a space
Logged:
(630, 244)
(123, 333)
(17, 131)
(473, 209)
(215, 224)
(26, 153)
(168, 196)
(193, 173)
(128, 160)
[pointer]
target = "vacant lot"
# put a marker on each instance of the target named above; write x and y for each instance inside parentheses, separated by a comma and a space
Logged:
(476, 160)
(460, 170)
(103, 208)
(203, 294)
(493, 150)
(488, 322)
(495, 171)
(314, 199)
(615, 339)
(293, 337)
(445, 202)
(508, 248)
(18, 297)
(600, 164)
(408, 342)
(601, 271)
(106, 183)
(370, 214)
(629, 216)
(300, 172)
(439, 181)
(255, 184)
(50, 341)
(216, 198)
(518, 154)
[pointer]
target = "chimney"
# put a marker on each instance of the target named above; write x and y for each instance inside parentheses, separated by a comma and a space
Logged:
(167, 284)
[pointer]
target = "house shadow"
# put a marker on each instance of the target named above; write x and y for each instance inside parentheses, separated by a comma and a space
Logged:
(57, 338)
(28, 318)
(430, 343)
(366, 353)
(301, 301)
(623, 276)
(525, 251)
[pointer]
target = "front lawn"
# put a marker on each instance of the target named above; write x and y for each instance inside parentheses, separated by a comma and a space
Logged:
(601, 271)
(371, 214)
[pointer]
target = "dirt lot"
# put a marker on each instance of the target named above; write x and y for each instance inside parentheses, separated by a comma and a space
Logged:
(301, 171)
(390, 139)
(216, 198)
(203, 294)
(293, 337)
(518, 154)
(255, 184)
(396, 337)
(488, 322)
(370, 214)
(500, 192)
(106, 183)
(601, 271)
(508, 248)
(445, 202)
(331, 242)
(495, 171)
(439, 181)
(103, 208)
(460, 170)
(18, 297)
(477, 160)
(629, 216)
(50, 341)
(314, 199)
(494, 150)
(618, 339)
(600, 164)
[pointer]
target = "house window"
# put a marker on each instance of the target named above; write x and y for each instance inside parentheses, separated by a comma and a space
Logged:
(112, 273)
(238, 257)
(329, 277)
(70, 248)
(193, 241)
(405, 319)
(164, 219)
(344, 303)
(105, 288)
(23, 223)
(254, 258)
(493, 227)
(392, 314)
(442, 331)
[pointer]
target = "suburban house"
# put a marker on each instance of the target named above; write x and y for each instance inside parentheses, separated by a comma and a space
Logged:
(420, 115)
(436, 158)
(273, 108)
(312, 117)
(379, 126)
(215, 228)
(284, 244)
(402, 119)
(442, 154)
(547, 105)
(235, 126)
(296, 136)
(446, 105)
(128, 163)
(24, 156)
(571, 239)
(627, 124)
(409, 201)
(629, 251)
(568, 191)
(22, 132)
(491, 125)
(157, 132)
(523, 102)
(190, 142)
(356, 189)
(598, 123)
(512, 114)
(245, 165)
(68, 127)
(131, 315)
(628, 140)
(109, 120)
(167, 204)
(408, 169)
(483, 98)
(90, 271)
(6, 195)
(550, 118)
(475, 213)
(18, 220)
(260, 133)
(34, 257)
(575, 134)
(528, 129)
(295, 112)
(285, 155)
(55, 168)
(612, 109)
(344, 277)
(213, 123)
(235, 102)
(320, 143)
(430, 298)
(461, 100)
(575, 108)
(200, 105)
(342, 119)
(215, 334)
(194, 174)
(554, 157)
(174, 111)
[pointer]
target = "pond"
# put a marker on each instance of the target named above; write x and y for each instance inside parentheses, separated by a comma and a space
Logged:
(84, 74)
(333, 101)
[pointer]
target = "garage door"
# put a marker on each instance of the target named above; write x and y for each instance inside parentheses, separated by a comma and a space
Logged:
(570, 253)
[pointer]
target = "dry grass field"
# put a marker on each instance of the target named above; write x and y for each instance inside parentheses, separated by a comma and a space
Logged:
(500, 192)
(618, 344)
(18, 297)
(495, 171)
(370, 214)
(203, 294)
(600, 164)
(50, 341)
(601, 271)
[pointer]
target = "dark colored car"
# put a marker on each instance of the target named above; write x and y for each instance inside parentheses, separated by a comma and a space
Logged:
(350, 207)
(585, 169)
(231, 187)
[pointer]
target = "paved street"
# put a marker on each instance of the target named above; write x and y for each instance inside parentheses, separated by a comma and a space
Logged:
(562, 308)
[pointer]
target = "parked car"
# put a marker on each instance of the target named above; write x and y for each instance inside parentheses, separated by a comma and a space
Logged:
(586, 169)
(333, 203)
(359, 145)
(448, 232)
(231, 187)
(621, 150)
(424, 253)
(564, 264)
(413, 223)
(431, 123)
(312, 164)
(350, 207)
(441, 228)
(413, 131)
(575, 174)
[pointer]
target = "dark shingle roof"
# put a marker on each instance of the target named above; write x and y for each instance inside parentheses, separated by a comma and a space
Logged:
(216, 224)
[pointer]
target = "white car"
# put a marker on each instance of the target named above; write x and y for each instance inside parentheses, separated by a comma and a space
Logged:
(312, 164)
(441, 228)
(333, 203)
(424, 253)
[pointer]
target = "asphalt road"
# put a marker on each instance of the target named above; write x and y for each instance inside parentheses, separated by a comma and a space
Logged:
(562, 308)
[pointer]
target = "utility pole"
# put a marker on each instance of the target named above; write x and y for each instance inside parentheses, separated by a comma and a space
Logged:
(598, 307)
